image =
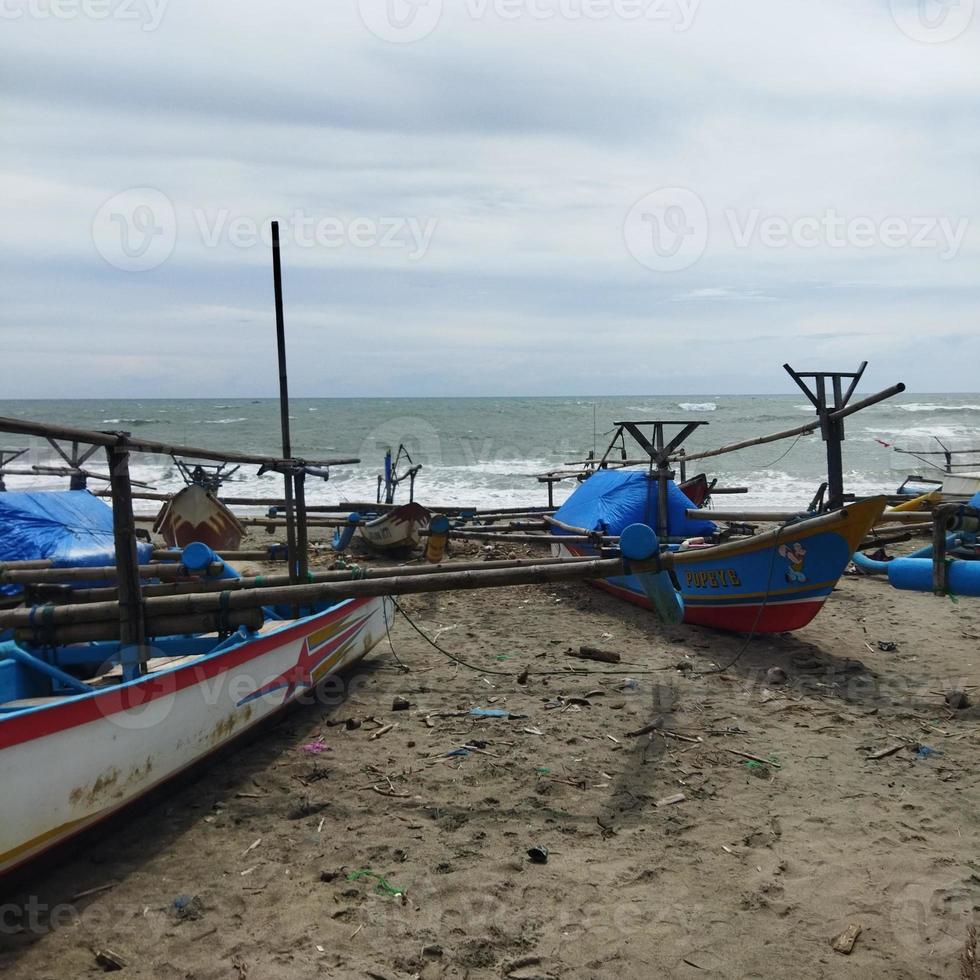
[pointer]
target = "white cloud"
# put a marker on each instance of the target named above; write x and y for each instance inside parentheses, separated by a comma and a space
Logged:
(521, 145)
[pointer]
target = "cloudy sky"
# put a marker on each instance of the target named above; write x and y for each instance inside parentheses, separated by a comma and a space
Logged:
(488, 196)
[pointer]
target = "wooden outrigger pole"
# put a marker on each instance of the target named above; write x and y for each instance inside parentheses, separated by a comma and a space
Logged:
(230, 606)
(110, 593)
(800, 430)
(152, 447)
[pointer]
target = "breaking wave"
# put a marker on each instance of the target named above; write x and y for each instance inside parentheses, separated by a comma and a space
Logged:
(697, 406)
(929, 407)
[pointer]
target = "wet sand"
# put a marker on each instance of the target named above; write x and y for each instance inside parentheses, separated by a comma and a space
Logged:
(670, 854)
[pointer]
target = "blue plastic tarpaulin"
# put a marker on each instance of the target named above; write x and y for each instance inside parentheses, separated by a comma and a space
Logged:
(611, 500)
(71, 528)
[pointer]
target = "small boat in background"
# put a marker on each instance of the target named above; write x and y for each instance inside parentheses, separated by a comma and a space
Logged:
(950, 485)
(391, 478)
(196, 514)
(390, 528)
(698, 489)
(942, 476)
(398, 530)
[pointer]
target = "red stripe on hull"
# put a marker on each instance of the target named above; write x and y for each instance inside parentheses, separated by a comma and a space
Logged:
(776, 617)
(71, 714)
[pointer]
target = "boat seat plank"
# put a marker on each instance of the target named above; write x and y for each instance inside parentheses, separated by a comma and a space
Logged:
(32, 702)
(154, 664)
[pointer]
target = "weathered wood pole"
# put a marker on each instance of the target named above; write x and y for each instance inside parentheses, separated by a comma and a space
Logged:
(302, 538)
(287, 450)
(46, 575)
(87, 632)
(109, 593)
(132, 628)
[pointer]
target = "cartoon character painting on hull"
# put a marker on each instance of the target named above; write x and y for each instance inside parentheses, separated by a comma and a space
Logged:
(795, 554)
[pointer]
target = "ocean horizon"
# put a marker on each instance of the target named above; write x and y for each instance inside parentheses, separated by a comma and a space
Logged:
(485, 450)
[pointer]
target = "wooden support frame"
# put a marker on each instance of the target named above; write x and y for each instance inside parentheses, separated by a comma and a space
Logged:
(831, 423)
(660, 448)
(125, 440)
(75, 459)
(7, 456)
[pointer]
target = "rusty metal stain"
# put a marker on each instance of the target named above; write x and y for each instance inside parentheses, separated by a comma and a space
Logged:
(140, 773)
(100, 787)
(225, 728)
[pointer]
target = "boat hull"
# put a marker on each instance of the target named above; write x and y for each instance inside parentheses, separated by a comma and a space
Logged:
(105, 750)
(398, 530)
(767, 586)
(961, 484)
(192, 515)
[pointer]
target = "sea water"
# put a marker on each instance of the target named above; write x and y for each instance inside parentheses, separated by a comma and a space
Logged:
(486, 451)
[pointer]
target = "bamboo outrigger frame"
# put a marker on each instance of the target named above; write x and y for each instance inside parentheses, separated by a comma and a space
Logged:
(829, 398)
(118, 447)
(946, 453)
(231, 607)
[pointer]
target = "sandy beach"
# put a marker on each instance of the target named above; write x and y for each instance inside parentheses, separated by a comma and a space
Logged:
(755, 823)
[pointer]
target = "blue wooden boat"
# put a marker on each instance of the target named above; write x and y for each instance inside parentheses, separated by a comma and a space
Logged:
(769, 583)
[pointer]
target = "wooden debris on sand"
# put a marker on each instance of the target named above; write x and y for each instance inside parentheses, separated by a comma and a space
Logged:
(593, 653)
(844, 943)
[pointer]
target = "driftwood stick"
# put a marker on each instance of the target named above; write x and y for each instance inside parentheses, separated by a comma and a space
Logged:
(755, 758)
(592, 653)
(654, 726)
